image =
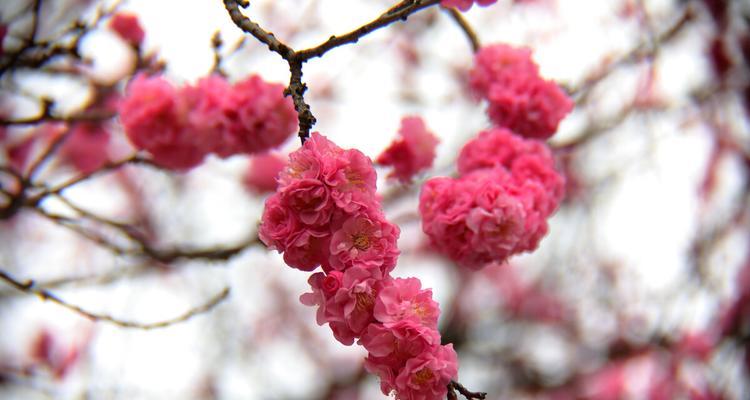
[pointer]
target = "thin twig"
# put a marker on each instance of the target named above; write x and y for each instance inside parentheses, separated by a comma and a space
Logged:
(48, 152)
(143, 249)
(354, 36)
(46, 117)
(30, 287)
(642, 51)
(471, 35)
(107, 167)
(296, 59)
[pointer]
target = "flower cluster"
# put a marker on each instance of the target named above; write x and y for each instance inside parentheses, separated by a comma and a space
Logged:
(179, 127)
(464, 5)
(326, 212)
(499, 205)
(519, 98)
(413, 152)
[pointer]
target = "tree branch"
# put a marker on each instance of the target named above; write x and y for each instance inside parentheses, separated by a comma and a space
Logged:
(30, 287)
(401, 13)
(247, 25)
(464, 392)
(471, 35)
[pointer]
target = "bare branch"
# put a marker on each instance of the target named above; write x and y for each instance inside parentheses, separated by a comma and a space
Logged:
(31, 288)
(465, 392)
(247, 25)
(402, 13)
(471, 35)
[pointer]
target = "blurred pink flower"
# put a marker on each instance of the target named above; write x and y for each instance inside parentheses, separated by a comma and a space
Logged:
(412, 153)
(128, 27)
(519, 98)
(86, 147)
(263, 172)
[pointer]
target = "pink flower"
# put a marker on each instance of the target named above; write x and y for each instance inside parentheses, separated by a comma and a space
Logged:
(404, 300)
(492, 218)
(307, 249)
(86, 147)
(529, 106)
(127, 27)
(318, 158)
(497, 147)
(498, 217)
(349, 311)
(263, 171)
(392, 345)
(399, 341)
(278, 224)
(204, 105)
(464, 5)
(258, 116)
(154, 121)
(324, 287)
(538, 169)
(500, 64)
(426, 377)
(413, 152)
(366, 240)
(519, 98)
(353, 180)
(310, 200)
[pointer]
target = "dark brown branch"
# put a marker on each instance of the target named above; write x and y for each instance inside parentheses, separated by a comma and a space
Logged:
(353, 37)
(47, 117)
(247, 25)
(297, 90)
(471, 35)
(30, 287)
(464, 392)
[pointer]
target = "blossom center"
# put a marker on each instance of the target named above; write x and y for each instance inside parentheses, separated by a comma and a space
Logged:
(423, 376)
(365, 301)
(361, 241)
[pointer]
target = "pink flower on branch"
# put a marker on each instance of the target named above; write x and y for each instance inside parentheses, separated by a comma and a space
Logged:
(499, 206)
(153, 116)
(426, 377)
(412, 153)
(519, 98)
(180, 127)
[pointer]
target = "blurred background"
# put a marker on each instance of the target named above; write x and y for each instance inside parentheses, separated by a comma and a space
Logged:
(641, 289)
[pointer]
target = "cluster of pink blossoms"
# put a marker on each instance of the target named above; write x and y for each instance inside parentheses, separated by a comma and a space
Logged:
(179, 127)
(326, 213)
(413, 152)
(507, 185)
(464, 5)
(499, 205)
(519, 98)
